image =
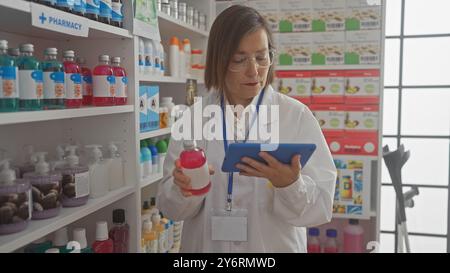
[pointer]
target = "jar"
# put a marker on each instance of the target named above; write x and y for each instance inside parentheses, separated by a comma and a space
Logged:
(182, 11)
(174, 8)
(168, 103)
(15, 206)
(75, 185)
(46, 193)
(190, 15)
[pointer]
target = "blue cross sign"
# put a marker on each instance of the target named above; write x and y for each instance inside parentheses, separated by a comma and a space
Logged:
(42, 18)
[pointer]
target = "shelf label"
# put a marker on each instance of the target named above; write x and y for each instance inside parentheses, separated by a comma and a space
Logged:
(58, 21)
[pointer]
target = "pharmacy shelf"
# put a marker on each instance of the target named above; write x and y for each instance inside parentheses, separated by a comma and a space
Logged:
(45, 115)
(15, 17)
(38, 228)
(166, 79)
(170, 25)
(325, 67)
(155, 133)
(151, 179)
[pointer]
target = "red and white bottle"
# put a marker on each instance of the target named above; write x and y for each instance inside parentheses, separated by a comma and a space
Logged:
(104, 83)
(102, 244)
(86, 80)
(74, 96)
(194, 164)
(331, 243)
(313, 245)
(121, 87)
(353, 237)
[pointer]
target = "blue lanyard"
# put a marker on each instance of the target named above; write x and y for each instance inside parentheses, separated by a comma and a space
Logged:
(225, 142)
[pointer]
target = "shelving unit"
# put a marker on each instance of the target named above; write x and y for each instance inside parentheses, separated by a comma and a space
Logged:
(151, 179)
(165, 79)
(155, 133)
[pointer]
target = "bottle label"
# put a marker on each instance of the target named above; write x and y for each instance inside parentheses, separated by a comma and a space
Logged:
(87, 86)
(152, 246)
(93, 6)
(65, 3)
(54, 87)
(79, 6)
(104, 86)
(73, 86)
(8, 82)
(105, 8)
(157, 65)
(121, 88)
(81, 184)
(199, 176)
(141, 60)
(117, 12)
(31, 84)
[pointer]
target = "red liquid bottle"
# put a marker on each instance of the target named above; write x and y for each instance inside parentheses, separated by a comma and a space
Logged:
(104, 83)
(194, 164)
(313, 245)
(86, 81)
(74, 96)
(120, 232)
(121, 87)
(102, 244)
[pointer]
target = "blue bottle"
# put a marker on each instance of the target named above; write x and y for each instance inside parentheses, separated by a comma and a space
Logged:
(65, 5)
(54, 86)
(105, 11)
(79, 7)
(155, 156)
(117, 13)
(31, 85)
(9, 92)
(92, 9)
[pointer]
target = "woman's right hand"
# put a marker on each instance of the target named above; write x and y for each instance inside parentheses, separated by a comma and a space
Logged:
(183, 181)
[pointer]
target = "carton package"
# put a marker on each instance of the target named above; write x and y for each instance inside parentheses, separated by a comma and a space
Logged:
(328, 87)
(328, 48)
(362, 86)
(294, 48)
(328, 15)
(143, 109)
(296, 84)
(330, 117)
(362, 16)
(269, 9)
(153, 107)
(360, 120)
(363, 47)
(296, 16)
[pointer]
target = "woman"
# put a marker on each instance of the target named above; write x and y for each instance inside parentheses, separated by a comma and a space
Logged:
(271, 203)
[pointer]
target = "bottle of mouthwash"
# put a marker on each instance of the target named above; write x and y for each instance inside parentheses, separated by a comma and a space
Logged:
(54, 86)
(30, 80)
(9, 91)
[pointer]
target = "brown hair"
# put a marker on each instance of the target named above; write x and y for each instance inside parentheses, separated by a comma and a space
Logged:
(226, 32)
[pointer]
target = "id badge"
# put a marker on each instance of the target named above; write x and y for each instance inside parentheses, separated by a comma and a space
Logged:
(229, 225)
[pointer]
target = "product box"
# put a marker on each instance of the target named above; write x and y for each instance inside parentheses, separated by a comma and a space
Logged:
(359, 145)
(296, 84)
(268, 9)
(296, 16)
(294, 48)
(362, 16)
(362, 87)
(363, 47)
(361, 120)
(328, 87)
(153, 107)
(330, 117)
(143, 109)
(328, 48)
(352, 192)
(328, 15)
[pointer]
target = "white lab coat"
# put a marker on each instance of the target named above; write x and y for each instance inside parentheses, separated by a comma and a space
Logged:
(277, 217)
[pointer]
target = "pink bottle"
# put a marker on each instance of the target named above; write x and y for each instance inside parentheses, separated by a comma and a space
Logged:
(313, 245)
(104, 81)
(194, 164)
(121, 86)
(86, 81)
(120, 232)
(102, 244)
(74, 96)
(353, 237)
(331, 244)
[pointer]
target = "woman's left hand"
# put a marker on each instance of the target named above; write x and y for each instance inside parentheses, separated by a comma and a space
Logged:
(279, 174)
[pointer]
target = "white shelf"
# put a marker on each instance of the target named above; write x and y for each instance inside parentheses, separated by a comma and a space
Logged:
(172, 26)
(326, 67)
(166, 79)
(15, 17)
(151, 179)
(39, 228)
(44, 115)
(154, 133)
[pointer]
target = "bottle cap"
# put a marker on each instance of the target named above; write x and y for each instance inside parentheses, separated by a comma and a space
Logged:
(331, 233)
(60, 237)
(96, 154)
(186, 41)
(145, 206)
(101, 231)
(72, 159)
(113, 150)
(189, 144)
(103, 58)
(119, 216)
(7, 176)
(69, 54)
(52, 250)
(116, 60)
(3, 44)
(174, 41)
(153, 201)
(79, 235)
(13, 52)
(353, 222)
(41, 166)
(196, 51)
(161, 145)
(26, 48)
(313, 232)
(51, 51)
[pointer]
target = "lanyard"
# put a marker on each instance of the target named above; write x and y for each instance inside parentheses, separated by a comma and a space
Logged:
(225, 142)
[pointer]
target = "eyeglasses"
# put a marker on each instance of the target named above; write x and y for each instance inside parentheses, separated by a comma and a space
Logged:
(240, 62)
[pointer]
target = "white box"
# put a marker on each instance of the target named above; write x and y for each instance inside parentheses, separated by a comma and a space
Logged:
(296, 16)
(328, 48)
(363, 47)
(362, 16)
(328, 15)
(269, 9)
(294, 48)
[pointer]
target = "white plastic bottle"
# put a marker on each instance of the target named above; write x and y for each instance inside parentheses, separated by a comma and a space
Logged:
(174, 55)
(141, 59)
(116, 178)
(187, 56)
(98, 172)
(182, 60)
(162, 59)
(148, 56)
(156, 60)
